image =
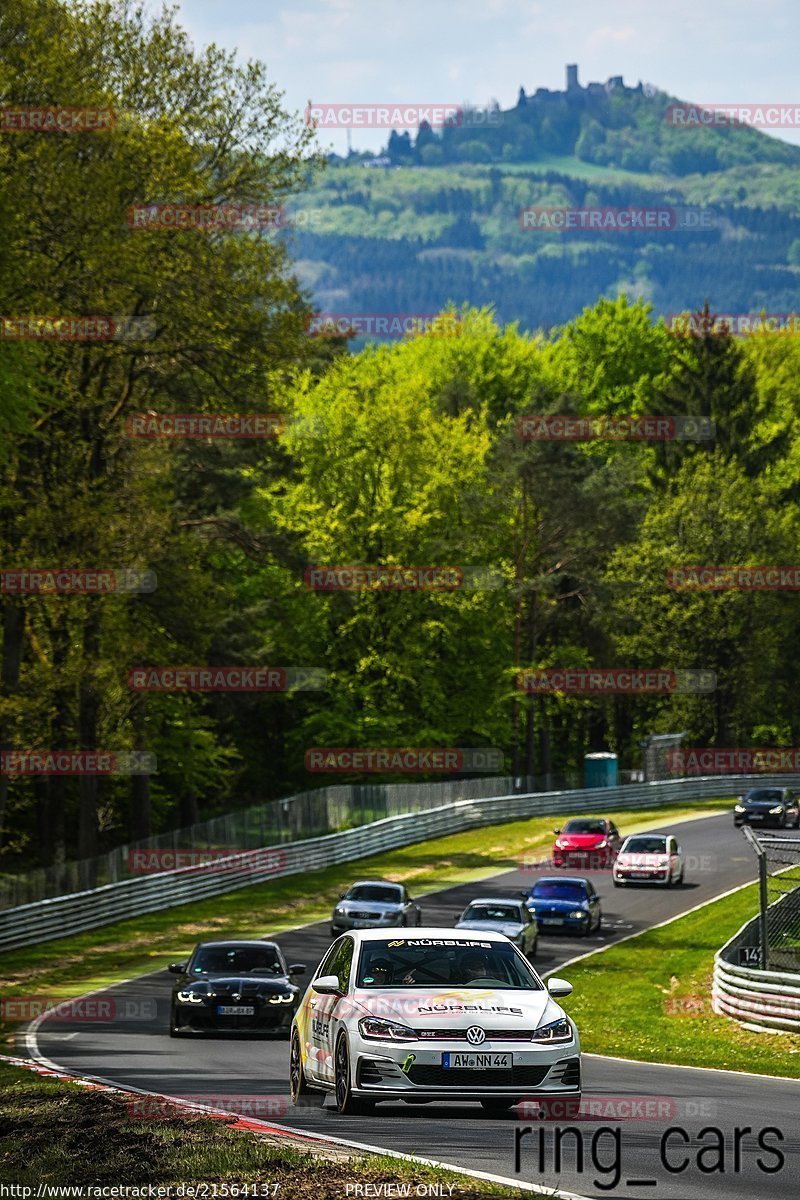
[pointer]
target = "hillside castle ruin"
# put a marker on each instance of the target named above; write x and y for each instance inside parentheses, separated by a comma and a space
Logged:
(575, 91)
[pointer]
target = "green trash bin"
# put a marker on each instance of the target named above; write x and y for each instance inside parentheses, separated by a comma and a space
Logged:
(600, 770)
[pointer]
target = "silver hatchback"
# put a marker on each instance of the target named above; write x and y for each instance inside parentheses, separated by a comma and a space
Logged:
(374, 904)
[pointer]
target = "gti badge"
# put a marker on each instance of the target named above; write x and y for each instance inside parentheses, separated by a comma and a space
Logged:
(475, 1035)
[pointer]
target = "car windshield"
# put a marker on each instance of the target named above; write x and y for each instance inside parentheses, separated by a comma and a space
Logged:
(765, 795)
(374, 891)
(238, 960)
(581, 825)
(646, 845)
(443, 963)
(554, 889)
(491, 912)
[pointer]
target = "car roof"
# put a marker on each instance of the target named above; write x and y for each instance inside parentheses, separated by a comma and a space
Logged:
(494, 900)
(239, 942)
(561, 879)
(372, 882)
(655, 833)
(588, 817)
(423, 931)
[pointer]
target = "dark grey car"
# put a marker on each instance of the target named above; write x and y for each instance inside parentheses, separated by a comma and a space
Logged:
(374, 904)
(768, 806)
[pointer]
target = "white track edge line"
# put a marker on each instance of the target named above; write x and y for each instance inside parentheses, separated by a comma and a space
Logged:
(689, 1067)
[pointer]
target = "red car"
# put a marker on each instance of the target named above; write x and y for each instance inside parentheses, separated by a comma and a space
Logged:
(588, 842)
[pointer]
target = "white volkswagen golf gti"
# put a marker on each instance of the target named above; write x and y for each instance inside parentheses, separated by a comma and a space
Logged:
(432, 1014)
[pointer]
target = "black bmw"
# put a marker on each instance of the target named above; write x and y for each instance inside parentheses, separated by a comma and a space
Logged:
(234, 986)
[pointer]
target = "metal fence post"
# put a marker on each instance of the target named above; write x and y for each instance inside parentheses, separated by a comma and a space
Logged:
(762, 893)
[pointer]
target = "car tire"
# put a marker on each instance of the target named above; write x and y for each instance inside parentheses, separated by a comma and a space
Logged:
(299, 1090)
(797, 820)
(497, 1104)
(346, 1103)
(599, 926)
(680, 877)
(173, 1029)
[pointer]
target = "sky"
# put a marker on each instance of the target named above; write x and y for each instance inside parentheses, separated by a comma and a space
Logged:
(452, 51)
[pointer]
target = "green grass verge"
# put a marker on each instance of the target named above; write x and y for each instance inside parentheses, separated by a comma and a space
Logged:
(69, 966)
(58, 1133)
(661, 985)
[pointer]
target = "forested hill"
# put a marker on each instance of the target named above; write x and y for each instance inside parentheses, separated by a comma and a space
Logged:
(608, 124)
(437, 217)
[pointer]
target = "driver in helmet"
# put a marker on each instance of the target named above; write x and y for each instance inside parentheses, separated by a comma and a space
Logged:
(474, 965)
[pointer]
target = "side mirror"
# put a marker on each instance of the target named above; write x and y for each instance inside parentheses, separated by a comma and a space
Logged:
(297, 969)
(559, 987)
(328, 985)
(556, 831)
(176, 968)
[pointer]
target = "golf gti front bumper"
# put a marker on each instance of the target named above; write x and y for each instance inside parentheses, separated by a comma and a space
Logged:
(453, 1069)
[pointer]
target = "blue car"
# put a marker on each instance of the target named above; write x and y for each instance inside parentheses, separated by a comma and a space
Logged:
(565, 904)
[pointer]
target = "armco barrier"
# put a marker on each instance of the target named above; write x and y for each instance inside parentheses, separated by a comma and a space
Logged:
(767, 1001)
(63, 915)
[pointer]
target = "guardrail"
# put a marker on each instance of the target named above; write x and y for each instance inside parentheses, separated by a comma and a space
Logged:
(766, 1001)
(60, 916)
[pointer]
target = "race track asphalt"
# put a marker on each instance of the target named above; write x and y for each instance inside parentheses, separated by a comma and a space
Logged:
(621, 1157)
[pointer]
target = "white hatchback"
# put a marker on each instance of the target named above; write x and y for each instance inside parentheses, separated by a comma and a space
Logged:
(649, 858)
(432, 1014)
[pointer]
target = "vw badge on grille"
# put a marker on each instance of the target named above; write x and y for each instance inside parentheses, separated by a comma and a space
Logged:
(475, 1035)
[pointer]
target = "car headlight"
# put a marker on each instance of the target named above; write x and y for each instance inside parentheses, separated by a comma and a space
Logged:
(192, 997)
(385, 1031)
(740, 808)
(555, 1031)
(282, 998)
(578, 914)
(775, 812)
(339, 912)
